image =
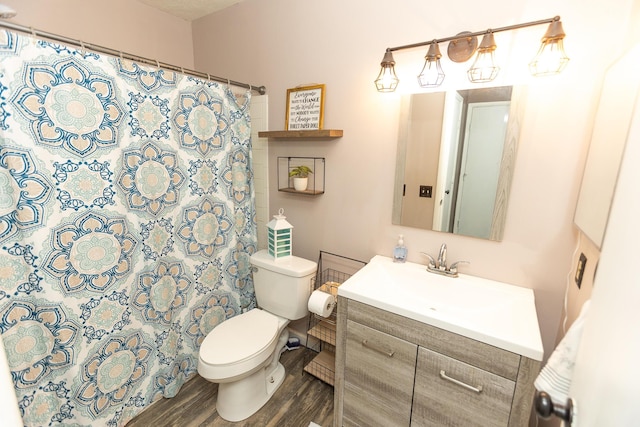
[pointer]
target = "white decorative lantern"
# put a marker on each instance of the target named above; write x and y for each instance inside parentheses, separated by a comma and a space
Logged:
(279, 236)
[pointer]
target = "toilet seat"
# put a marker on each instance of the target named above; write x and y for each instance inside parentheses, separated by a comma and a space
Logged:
(239, 344)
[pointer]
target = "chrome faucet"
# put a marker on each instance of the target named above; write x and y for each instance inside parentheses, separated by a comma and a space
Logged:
(442, 257)
(440, 266)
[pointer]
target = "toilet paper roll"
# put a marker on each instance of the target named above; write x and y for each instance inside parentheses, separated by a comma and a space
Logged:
(321, 303)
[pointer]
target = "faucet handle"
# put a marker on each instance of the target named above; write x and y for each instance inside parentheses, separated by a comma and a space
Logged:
(454, 267)
(432, 262)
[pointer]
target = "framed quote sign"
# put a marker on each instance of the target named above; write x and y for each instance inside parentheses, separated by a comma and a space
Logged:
(305, 108)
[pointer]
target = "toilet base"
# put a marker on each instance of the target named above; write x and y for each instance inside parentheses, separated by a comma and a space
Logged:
(240, 399)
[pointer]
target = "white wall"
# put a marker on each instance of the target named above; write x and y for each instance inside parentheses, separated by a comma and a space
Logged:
(125, 25)
(286, 43)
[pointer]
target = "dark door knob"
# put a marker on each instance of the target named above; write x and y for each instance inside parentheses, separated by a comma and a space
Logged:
(545, 408)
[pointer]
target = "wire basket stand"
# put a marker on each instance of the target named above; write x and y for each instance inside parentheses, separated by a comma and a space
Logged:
(333, 270)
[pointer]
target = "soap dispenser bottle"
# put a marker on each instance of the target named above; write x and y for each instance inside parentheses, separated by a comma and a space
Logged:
(400, 251)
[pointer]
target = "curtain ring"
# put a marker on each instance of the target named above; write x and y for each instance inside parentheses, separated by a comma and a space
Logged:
(83, 51)
(33, 32)
(158, 64)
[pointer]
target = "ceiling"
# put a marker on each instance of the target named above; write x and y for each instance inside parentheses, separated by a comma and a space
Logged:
(190, 9)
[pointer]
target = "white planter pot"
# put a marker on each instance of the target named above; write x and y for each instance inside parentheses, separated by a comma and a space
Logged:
(300, 184)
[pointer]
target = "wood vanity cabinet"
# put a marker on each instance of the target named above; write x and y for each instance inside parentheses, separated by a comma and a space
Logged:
(396, 371)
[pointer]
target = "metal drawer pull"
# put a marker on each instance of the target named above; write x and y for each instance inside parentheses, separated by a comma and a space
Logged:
(444, 376)
(374, 347)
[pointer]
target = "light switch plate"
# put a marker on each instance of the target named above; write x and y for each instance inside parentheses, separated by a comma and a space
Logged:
(426, 190)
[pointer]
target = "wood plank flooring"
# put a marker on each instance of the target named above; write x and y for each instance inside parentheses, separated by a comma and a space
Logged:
(301, 399)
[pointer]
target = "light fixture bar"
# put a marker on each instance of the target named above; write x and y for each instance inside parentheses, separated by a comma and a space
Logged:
(475, 34)
(551, 58)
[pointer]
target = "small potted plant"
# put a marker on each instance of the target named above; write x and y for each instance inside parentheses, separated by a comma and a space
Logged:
(300, 176)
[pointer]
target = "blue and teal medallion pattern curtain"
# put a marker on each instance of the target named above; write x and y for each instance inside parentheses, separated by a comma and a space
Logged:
(126, 224)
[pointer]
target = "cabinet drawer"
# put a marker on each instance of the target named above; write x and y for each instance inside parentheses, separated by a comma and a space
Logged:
(442, 399)
(378, 377)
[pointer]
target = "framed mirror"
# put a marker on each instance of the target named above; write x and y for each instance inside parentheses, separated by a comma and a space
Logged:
(456, 152)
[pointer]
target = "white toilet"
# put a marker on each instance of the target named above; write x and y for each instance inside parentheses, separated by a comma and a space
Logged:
(242, 353)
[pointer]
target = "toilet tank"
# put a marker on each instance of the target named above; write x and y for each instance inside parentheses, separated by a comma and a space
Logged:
(282, 287)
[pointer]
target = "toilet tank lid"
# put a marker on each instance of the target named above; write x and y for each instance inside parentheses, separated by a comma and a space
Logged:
(291, 266)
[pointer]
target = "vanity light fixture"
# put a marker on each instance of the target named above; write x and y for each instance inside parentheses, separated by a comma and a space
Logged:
(484, 68)
(550, 59)
(387, 80)
(432, 74)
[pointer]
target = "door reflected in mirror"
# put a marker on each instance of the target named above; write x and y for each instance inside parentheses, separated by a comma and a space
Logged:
(456, 152)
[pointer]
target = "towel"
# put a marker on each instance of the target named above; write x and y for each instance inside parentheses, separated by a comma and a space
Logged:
(555, 377)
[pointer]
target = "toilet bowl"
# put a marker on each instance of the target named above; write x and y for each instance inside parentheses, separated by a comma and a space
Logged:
(250, 340)
(242, 353)
(247, 366)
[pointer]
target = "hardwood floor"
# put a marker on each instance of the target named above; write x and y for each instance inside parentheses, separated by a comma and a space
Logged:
(301, 399)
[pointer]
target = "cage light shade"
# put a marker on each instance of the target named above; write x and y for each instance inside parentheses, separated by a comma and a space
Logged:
(484, 68)
(387, 80)
(279, 236)
(551, 57)
(432, 74)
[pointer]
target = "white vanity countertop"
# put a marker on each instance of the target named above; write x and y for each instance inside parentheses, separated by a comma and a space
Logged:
(495, 313)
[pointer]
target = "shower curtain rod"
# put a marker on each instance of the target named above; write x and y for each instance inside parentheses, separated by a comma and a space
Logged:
(101, 49)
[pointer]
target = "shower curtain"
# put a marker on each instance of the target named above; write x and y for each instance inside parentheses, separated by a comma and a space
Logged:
(127, 220)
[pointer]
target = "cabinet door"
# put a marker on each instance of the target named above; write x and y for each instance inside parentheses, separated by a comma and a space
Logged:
(452, 393)
(378, 378)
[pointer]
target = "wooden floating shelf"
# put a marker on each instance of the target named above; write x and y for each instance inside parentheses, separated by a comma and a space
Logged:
(321, 133)
(308, 192)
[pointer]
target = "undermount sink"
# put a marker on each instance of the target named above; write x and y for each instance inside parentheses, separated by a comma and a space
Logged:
(492, 312)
